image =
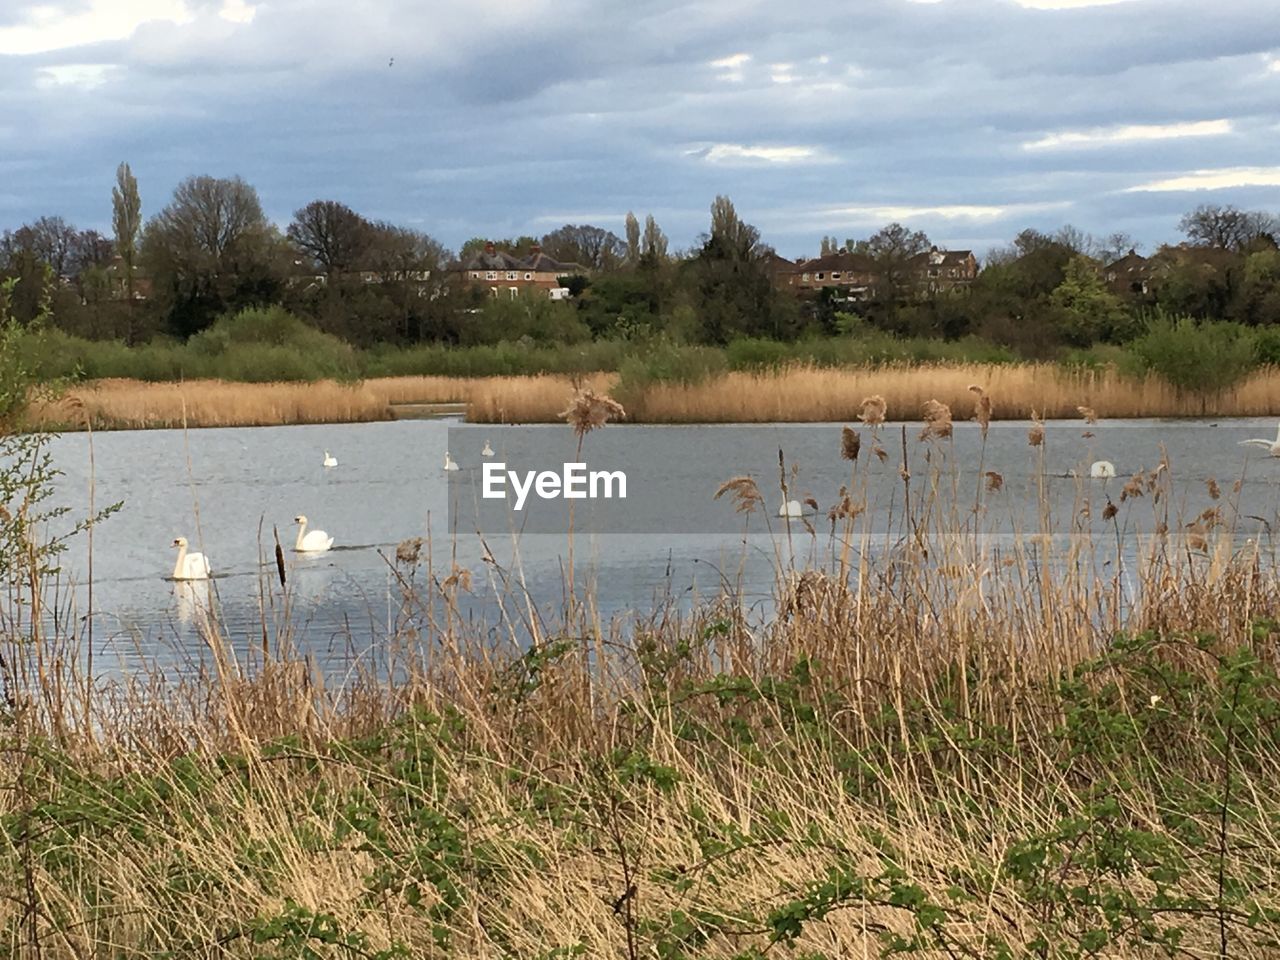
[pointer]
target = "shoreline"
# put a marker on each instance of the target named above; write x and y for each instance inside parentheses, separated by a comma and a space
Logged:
(794, 394)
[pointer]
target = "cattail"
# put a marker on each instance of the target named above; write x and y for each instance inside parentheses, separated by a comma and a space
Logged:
(995, 482)
(1035, 435)
(982, 408)
(746, 495)
(937, 420)
(1214, 492)
(873, 410)
(589, 410)
(850, 443)
(881, 453)
(1109, 511)
(904, 473)
(812, 503)
(1088, 413)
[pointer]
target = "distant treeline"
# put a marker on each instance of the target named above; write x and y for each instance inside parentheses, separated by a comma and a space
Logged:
(210, 252)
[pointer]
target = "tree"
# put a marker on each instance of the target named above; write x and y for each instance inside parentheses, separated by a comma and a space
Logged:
(331, 234)
(592, 247)
(633, 239)
(892, 248)
(1227, 227)
(126, 222)
(1090, 312)
(52, 241)
(211, 250)
(654, 244)
(737, 295)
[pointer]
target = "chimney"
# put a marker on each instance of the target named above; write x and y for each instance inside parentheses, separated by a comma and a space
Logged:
(535, 249)
(489, 248)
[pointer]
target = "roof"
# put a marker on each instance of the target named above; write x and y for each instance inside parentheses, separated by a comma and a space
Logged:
(943, 258)
(1131, 262)
(844, 260)
(536, 263)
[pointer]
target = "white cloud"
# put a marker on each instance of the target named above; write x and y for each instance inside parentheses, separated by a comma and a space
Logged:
(860, 214)
(751, 153)
(237, 11)
(46, 28)
(1220, 179)
(730, 67)
(86, 76)
(1067, 4)
(1101, 136)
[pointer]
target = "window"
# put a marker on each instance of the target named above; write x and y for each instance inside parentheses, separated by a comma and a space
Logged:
(491, 275)
(819, 276)
(512, 275)
(835, 274)
(515, 292)
(493, 291)
(804, 278)
(528, 276)
(475, 274)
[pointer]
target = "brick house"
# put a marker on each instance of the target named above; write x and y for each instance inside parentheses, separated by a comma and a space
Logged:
(503, 274)
(938, 271)
(851, 275)
(1132, 275)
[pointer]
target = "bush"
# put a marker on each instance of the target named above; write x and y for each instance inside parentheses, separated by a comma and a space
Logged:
(270, 343)
(1194, 357)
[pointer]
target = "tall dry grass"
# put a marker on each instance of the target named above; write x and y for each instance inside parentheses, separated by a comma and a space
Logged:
(132, 404)
(808, 394)
(958, 747)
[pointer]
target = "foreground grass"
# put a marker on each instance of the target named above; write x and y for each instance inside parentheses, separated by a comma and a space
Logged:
(971, 749)
(795, 394)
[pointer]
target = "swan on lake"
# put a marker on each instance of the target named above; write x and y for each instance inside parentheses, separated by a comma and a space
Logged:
(1102, 469)
(792, 508)
(487, 451)
(190, 566)
(317, 541)
(1272, 446)
(449, 462)
(330, 460)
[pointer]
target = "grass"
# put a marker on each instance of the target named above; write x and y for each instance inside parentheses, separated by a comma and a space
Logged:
(791, 394)
(963, 748)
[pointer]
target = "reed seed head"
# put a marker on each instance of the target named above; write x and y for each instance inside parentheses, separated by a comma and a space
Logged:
(744, 492)
(589, 410)
(1035, 435)
(873, 410)
(1214, 491)
(1088, 413)
(850, 443)
(995, 482)
(937, 420)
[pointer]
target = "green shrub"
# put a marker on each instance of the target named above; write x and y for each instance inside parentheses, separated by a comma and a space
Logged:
(1194, 357)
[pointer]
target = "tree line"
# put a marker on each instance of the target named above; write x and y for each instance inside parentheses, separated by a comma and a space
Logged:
(210, 251)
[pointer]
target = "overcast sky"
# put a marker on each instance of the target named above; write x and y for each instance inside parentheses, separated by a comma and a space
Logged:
(969, 119)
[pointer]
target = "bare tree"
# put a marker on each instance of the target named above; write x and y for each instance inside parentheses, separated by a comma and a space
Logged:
(52, 241)
(892, 248)
(210, 226)
(332, 234)
(588, 246)
(1227, 227)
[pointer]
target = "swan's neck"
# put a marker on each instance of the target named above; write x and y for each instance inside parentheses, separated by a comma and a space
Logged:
(182, 559)
(302, 529)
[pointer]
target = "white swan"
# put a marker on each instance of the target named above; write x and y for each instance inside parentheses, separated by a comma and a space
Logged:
(317, 541)
(190, 566)
(330, 460)
(449, 462)
(1272, 446)
(792, 508)
(1102, 469)
(487, 451)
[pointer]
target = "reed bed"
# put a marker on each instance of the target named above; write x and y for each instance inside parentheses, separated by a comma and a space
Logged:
(957, 747)
(808, 394)
(133, 404)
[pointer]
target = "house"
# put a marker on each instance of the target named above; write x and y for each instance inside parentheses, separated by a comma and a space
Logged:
(504, 274)
(1132, 274)
(118, 281)
(851, 276)
(938, 271)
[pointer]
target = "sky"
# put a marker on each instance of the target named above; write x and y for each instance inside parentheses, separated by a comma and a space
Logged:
(968, 119)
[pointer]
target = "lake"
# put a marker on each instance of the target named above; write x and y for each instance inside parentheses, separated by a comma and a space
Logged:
(229, 490)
